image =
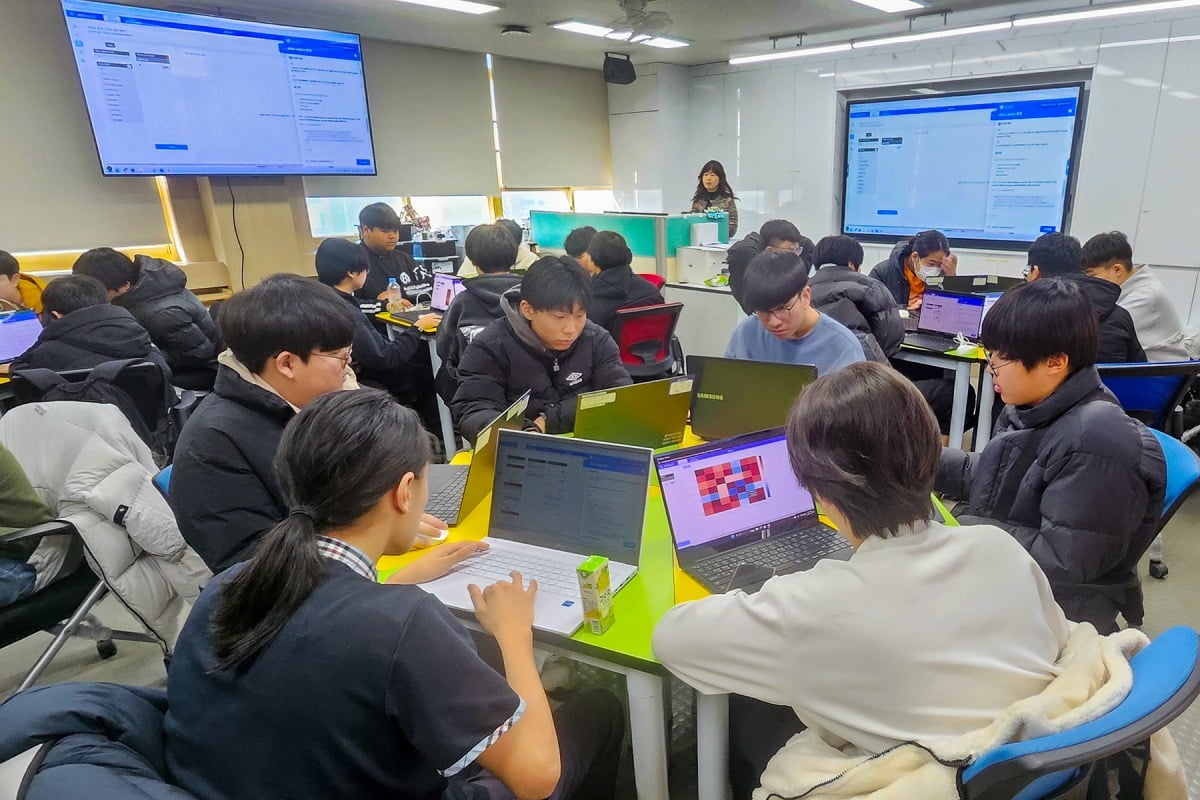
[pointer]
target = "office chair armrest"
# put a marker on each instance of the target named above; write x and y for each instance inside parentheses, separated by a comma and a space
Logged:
(183, 408)
(52, 528)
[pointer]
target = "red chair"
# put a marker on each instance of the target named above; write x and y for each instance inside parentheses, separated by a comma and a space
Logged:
(646, 339)
(657, 280)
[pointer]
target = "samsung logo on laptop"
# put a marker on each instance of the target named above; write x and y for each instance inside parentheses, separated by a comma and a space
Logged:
(709, 396)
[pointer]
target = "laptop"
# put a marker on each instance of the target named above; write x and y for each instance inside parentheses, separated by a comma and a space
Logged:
(555, 502)
(18, 332)
(738, 515)
(446, 287)
(455, 490)
(652, 414)
(975, 284)
(733, 396)
(944, 315)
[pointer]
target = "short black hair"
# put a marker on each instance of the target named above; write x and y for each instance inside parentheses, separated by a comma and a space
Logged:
(491, 248)
(514, 229)
(1056, 254)
(775, 231)
(554, 284)
(577, 241)
(1040, 319)
(379, 216)
(923, 244)
(285, 313)
(840, 250)
(8, 264)
(609, 250)
(337, 258)
(1106, 249)
(111, 267)
(773, 279)
(71, 293)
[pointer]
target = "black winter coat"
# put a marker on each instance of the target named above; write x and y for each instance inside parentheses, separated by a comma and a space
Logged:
(88, 337)
(506, 359)
(223, 488)
(618, 288)
(862, 304)
(178, 323)
(1086, 508)
(1118, 337)
(890, 273)
(379, 360)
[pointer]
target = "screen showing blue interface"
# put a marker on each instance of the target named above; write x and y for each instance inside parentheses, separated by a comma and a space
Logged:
(183, 94)
(993, 167)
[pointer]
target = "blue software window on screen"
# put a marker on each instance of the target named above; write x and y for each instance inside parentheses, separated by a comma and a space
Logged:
(990, 167)
(171, 93)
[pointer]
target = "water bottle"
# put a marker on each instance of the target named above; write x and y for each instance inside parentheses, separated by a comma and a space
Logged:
(395, 296)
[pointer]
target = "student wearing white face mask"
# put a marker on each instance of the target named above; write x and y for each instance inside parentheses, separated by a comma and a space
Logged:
(913, 262)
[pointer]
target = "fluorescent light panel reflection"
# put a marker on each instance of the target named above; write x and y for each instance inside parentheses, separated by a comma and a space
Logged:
(465, 6)
(1101, 12)
(941, 33)
(799, 52)
(891, 6)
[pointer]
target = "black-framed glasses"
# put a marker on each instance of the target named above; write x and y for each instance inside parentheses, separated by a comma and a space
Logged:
(992, 365)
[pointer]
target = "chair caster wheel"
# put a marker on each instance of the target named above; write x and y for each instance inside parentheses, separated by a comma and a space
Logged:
(106, 649)
(1158, 570)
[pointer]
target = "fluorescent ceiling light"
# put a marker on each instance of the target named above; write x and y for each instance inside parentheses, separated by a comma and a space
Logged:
(892, 6)
(605, 32)
(799, 52)
(1105, 11)
(465, 6)
(940, 33)
(664, 42)
(620, 36)
(586, 28)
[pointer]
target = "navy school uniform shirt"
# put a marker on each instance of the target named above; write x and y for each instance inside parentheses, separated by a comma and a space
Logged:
(369, 690)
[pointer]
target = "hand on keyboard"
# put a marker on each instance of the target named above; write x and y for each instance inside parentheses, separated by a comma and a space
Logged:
(505, 608)
(437, 562)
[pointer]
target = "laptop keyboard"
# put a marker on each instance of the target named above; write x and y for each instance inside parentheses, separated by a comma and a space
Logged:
(493, 566)
(781, 554)
(447, 502)
(929, 341)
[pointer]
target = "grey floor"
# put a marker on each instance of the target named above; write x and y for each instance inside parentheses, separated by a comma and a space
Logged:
(1174, 601)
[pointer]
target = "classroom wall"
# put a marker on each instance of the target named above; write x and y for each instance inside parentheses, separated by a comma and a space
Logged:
(777, 129)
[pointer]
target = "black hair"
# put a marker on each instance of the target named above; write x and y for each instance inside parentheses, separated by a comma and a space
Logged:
(379, 216)
(773, 279)
(338, 457)
(71, 293)
(1106, 249)
(776, 231)
(491, 248)
(8, 264)
(577, 241)
(841, 250)
(337, 258)
(609, 250)
(723, 188)
(846, 448)
(1040, 319)
(514, 229)
(1056, 254)
(923, 244)
(555, 284)
(285, 313)
(111, 267)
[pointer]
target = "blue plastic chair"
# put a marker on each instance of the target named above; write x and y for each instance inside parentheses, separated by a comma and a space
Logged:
(1166, 679)
(1151, 391)
(162, 481)
(1183, 478)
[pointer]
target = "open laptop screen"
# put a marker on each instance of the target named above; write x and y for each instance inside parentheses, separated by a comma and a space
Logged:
(950, 314)
(18, 332)
(723, 489)
(570, 494)
(445, 288)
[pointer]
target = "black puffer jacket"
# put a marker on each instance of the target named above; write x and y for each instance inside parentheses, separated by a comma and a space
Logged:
(1118, 337)
(86, 338)
(1087, 506)
(617, 288)
(178, 323)
(469, 313)
(507, 358)
(891, 274)
(862, 304)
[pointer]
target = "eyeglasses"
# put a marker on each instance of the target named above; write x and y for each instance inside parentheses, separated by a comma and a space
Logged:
(780, 313)
(1025, 273)
(342, 357)
(994, 366)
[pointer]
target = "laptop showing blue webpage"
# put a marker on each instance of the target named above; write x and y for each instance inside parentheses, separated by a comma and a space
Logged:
(18, 331)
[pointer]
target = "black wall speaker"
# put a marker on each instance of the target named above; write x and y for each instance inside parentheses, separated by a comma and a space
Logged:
(618, 69)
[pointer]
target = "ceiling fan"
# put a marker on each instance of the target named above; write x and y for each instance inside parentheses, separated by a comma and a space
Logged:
(638, 24)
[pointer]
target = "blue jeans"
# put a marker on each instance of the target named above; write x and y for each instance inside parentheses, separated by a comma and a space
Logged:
(16, 581)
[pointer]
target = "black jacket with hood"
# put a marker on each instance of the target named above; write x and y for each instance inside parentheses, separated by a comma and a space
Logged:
(618, 288)
(469, 313)
(86, 338)
(1087, 498)
(178, 323)
(507, 358)
(862, 304)
(743, 252)
(1118, 337)
(379, 360)
(890, 273)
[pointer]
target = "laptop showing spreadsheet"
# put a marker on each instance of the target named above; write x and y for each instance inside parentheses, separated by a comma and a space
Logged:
(18, 331)
(737, 503)
(556, 501)
(943, 316)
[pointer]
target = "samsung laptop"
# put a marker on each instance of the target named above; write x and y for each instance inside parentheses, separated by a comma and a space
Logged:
(943, 316)
(455, 490)
(733, 396)
(18, 332)
(446, 287)
(738, 515)
(652, 414)
(555, 502)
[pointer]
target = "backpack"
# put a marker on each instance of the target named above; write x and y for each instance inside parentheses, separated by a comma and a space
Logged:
(154, 426)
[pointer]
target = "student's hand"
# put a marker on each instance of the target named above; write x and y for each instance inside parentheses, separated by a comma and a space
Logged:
(432, 527)
(950, 264)
(4, 368)
(540, 422)
(914, 303)
(436, 563)
(505, 609)
(428, 322)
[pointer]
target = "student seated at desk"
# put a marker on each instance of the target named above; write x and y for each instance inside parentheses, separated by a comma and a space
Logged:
(576, 246)
(379, 235)
(861, 303)
(775, 235)
(911, 263)
(298, 675)
(81, 330)
(783, 325)
(1160, 331)
(18, 289)
(155, 291)
(1073, 478)
(614, 284)
(1056, 254)
(544, 344)
(928, 631)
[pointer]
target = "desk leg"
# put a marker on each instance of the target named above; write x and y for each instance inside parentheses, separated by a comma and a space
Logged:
(449, 440)
(712, 746)
(987, 396)
(958, 415)
(648, 734)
